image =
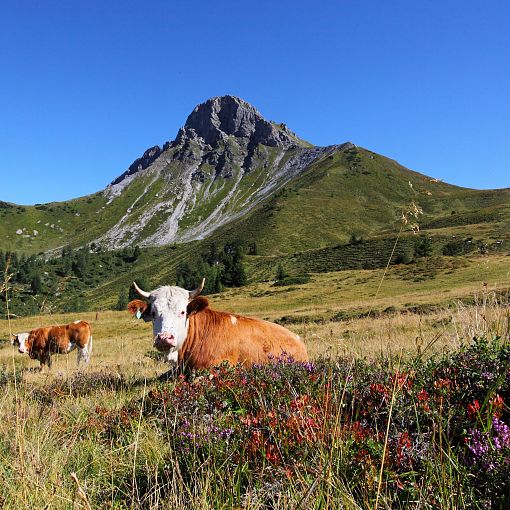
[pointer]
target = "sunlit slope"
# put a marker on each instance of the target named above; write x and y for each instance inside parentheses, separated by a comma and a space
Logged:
(361, 193)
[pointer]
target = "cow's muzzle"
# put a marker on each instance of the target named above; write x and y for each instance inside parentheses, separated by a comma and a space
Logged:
(164, 342)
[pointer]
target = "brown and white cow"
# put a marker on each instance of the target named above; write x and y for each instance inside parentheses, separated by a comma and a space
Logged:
(199, 337)
(41, 343)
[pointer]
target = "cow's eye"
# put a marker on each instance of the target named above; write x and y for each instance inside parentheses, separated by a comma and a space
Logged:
(183, 313)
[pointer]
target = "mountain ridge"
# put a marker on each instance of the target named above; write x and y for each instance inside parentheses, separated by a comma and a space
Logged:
(226, 165)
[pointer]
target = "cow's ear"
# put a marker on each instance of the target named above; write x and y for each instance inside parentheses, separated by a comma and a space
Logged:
(137, 307)
(197, 305)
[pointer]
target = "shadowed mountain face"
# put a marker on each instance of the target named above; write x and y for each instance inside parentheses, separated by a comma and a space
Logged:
(231, 171)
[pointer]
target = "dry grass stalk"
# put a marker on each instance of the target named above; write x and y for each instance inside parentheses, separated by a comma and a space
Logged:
(19, 431)
(385, 447)
(82, 495)
(412, 211)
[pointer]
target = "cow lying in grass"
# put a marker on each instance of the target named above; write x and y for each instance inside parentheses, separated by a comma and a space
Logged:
(199, 337)
(41, 343)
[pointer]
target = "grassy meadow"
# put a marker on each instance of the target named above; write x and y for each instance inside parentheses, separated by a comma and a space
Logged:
(399, 407)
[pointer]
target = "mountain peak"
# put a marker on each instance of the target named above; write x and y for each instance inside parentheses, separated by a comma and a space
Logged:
(223, 116)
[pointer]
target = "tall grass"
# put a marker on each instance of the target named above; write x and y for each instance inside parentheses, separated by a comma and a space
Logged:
(383, 430)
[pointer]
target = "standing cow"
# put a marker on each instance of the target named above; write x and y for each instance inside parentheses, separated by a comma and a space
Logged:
(185, 326)
(41, 343)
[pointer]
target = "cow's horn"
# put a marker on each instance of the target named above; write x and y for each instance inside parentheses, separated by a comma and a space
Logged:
(140, 291)
(194, 293)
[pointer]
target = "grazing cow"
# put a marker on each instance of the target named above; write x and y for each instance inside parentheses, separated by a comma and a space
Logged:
(41, 343)
(183, 323)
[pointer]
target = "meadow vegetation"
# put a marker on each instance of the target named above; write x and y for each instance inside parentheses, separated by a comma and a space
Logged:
(402, 409)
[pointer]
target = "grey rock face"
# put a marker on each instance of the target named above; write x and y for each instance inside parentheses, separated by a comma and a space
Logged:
(231, 116)
(210, 132)
(149, 156)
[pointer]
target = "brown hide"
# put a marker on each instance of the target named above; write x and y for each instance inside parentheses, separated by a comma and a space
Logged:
(42, 342)
(215, 336)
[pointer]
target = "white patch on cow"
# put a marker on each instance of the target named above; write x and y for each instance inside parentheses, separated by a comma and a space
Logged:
(71, 347)
(172, 356)
(76, 322)
(298, 337)
(83, 355)
(233, 320)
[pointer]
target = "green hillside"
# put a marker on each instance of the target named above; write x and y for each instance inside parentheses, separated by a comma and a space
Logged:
(361, 193)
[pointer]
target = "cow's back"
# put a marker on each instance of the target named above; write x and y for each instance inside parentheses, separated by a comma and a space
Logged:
(65, 338)
(215, 336)
(265, 340)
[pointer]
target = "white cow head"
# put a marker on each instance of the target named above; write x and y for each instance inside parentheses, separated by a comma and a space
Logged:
(167, 309)
(20, 340)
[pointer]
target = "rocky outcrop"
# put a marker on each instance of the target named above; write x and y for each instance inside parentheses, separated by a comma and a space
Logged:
(225, 116)
(223, 132)
(149, 156)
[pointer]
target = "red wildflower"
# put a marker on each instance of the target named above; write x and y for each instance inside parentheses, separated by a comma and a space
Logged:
(403, 447)
(272, 454)
(379, 389)
(473, 409)
(443, 383)
(403, 380)
(497, 404)
(359, 431)
(423, 396)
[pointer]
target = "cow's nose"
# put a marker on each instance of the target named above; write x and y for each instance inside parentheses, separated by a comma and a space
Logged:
(164, 341)
(165, 336)
(20, 350)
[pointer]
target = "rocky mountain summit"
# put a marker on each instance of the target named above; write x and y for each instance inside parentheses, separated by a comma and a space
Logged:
(224, 161)
(221, 117)
(214, 124)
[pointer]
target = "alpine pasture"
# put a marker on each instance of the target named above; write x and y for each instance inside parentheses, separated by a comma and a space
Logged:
(404, 405)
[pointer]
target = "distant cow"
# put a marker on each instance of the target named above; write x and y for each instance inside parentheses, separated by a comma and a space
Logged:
(183, 323)
(41, 343)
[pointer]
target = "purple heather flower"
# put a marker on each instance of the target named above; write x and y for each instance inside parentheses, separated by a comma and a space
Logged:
(478, 445)
(308, 366)
(502, 431)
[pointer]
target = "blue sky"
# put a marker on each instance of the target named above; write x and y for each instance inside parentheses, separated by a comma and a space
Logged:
(87, 86)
